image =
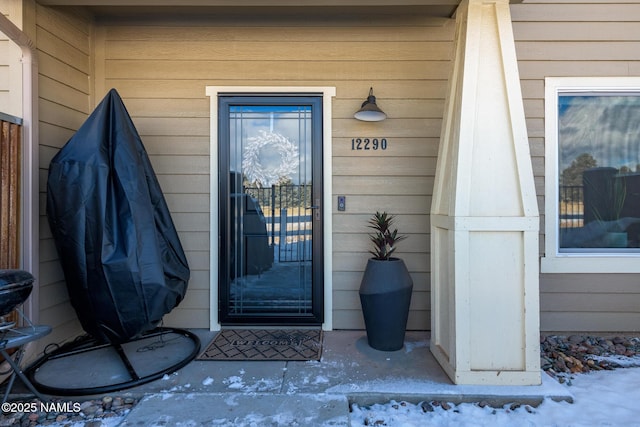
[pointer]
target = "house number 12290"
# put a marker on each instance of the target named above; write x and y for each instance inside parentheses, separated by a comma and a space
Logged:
(368, 144)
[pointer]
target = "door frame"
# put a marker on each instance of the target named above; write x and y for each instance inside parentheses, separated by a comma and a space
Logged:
(327, 94)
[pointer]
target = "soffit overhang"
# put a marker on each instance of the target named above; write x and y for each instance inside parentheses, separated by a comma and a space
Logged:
(118, 9)
(150, 8)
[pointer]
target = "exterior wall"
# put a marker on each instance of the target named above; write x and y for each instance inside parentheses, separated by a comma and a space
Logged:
(576, 39)
(161, 70)
(10, 67)
(63, 41)
(5, 57)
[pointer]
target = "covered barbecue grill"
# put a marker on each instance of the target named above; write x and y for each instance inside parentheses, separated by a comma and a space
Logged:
(15, 288)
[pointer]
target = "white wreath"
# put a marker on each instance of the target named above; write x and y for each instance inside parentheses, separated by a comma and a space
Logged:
(266, 175)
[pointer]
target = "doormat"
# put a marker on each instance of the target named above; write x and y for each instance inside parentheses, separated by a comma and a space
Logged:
(265, 344)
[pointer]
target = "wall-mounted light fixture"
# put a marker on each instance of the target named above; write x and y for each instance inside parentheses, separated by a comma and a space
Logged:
(369, 112)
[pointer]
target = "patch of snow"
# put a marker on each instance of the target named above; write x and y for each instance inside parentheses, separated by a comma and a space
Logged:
(291, 389)
(409, 346)
(404, 386)
(163, 421)
(234, 382)
(603, 398)
(105, 422)
(623, 361)
(263, 385)
(231, 400)
(320, 379)
(207, 381)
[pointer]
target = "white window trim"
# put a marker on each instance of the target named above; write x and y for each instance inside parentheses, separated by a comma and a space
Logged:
(554, 261)
(328, 93)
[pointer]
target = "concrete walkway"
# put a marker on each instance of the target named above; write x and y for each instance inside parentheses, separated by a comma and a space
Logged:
(312, 393)
(241, 393)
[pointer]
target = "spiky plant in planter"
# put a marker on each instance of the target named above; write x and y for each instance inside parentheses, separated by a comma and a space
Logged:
(385, 290)
(384, 240)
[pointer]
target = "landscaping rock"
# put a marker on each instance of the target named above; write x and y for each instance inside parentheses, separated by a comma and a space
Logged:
(90, 413)
(562, 355)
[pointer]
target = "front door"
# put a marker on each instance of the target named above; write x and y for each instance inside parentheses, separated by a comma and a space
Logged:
(270, 209)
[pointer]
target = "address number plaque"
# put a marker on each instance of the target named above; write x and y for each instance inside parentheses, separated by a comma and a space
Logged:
(367, 144)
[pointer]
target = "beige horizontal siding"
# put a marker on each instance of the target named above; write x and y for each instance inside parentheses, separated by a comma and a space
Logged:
(4, 51)
(356, 261)
(313, 32)
(5, 84)
(234, 72)
(186, 318)
(356, 242)
(385, 166)
(406, 59)
(56, 69)
(59, 114)
(382, 185)
(343, 223)
(64, 58)
(405, 90)
(595, 302)
(576, 11)
(576, 31)
(590, 321)
(402, 147)
(291, 50)
(10, 64)
(161, 69)
(578, 50)
(576, 38)
(350, 280)
(72, 100)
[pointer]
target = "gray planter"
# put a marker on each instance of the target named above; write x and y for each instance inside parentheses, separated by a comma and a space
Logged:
(385, 296)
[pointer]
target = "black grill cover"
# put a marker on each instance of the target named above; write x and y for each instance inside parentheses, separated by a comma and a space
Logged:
(121, 256)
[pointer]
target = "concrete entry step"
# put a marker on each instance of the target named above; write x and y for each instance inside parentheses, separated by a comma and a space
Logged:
(239, 410)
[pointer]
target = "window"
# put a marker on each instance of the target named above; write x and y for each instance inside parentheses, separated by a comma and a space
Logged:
(592, 193)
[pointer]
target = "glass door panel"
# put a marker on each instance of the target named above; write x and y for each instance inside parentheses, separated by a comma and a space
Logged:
(272, 211)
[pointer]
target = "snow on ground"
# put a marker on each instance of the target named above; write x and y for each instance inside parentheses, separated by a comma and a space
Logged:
(602, 398)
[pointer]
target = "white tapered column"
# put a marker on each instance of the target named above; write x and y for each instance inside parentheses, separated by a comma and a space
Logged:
(484, 216)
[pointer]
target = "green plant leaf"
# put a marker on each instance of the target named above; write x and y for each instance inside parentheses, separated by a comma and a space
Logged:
(384, 240)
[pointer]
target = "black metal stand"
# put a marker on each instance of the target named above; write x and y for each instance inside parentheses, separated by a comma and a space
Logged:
(17, 338)
(89, 344)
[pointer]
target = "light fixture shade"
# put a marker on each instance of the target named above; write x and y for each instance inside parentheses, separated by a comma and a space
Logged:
(369, 111)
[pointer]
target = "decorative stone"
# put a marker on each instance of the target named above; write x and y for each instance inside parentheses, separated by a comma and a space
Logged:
(106, 402)
(117, 402)
(426, 407)
(559, 356)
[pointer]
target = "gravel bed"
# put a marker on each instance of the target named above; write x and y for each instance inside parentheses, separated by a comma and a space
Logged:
(561, 356)
(67, 412)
